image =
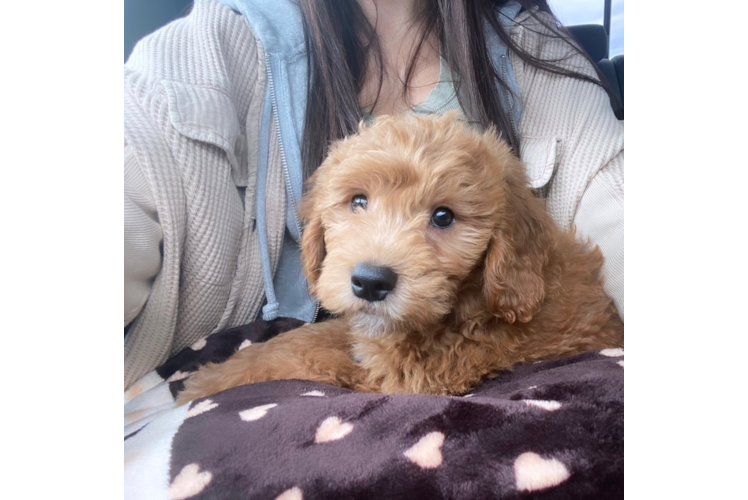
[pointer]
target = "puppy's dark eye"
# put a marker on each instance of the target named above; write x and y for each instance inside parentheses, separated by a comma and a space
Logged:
(359, 201)
(442, 217)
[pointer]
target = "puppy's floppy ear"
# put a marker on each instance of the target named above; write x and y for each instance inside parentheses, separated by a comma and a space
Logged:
(313, 236)
(513, 284)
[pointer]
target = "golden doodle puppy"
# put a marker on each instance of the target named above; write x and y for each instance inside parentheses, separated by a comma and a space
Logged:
(440, 264)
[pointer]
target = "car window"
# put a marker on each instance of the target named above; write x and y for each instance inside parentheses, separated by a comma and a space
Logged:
(572, 12)
(667, 27)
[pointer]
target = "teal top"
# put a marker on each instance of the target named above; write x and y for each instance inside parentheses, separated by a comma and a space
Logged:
(442, 98)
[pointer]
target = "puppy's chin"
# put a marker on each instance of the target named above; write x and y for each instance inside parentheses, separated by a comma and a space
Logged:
(372, 319)
(381, 319)
(371, 325)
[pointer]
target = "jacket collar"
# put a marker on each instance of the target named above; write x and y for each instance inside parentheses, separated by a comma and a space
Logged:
(276, 23)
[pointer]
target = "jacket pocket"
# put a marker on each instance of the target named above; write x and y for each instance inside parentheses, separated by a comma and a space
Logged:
(208, 115)
(539, 154)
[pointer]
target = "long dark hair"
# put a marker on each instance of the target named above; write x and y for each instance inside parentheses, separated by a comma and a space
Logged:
(339, 38)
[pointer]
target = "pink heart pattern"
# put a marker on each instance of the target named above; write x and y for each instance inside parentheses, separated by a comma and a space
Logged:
(189, 482)
(427, 452)
(332, 429)
(533, 472)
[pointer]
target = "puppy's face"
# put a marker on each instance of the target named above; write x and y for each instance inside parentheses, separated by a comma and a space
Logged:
(397, 218)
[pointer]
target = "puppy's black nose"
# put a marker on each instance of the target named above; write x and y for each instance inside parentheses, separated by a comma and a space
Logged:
(372, 283)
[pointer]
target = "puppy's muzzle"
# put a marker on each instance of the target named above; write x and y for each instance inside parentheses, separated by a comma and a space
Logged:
(372, 283)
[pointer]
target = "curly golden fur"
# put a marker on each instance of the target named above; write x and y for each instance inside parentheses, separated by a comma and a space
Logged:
(500, 286)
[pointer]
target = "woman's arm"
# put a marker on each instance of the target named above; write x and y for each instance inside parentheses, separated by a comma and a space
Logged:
(143, 237)
(586, 189)
(188, 88)
(600, 218)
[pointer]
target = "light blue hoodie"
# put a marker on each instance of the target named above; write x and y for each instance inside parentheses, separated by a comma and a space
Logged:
(277, 25)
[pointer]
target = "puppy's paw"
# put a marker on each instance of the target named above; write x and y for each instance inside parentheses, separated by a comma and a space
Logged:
(203, 383)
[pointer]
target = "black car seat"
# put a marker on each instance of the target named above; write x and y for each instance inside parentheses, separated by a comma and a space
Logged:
(594, 40)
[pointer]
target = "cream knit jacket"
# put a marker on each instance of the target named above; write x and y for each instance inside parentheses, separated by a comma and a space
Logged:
(193, 99)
